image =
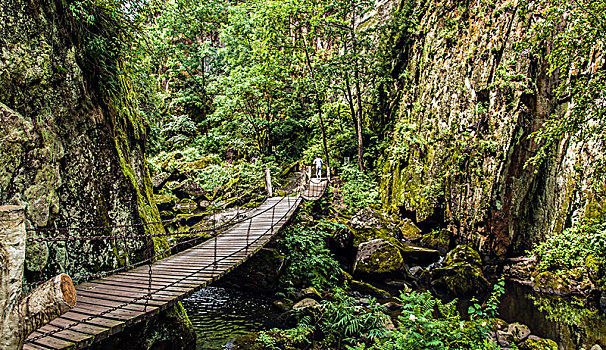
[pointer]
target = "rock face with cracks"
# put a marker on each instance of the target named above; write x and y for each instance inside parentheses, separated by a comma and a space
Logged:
(71, 156)
(464, 104)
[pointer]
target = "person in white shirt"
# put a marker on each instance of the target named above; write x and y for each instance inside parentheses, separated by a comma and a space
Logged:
(318, 163)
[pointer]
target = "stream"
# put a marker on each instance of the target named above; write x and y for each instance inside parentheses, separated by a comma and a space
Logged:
(567, 320)
(220, 315)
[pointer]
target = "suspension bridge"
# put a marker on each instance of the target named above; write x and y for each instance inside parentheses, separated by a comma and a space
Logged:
(108, 305)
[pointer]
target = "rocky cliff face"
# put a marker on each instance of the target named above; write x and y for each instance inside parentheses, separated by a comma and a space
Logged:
(467, 102)
(68, 155)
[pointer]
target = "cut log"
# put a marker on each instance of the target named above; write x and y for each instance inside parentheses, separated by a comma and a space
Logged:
(24, 314)
(48, 301)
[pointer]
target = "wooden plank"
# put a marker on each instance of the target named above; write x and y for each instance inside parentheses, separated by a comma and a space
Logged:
(69, 335)
(99, 332)
(110, 304)
(114, 326)
(126, 290)
(142, 286)
(30, 346)
(104, 295)
(52, 342)
(127, 316)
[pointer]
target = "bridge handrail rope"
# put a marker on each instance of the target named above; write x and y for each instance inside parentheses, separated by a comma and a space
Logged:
(127, 267)
(91, 317)
(62, 230)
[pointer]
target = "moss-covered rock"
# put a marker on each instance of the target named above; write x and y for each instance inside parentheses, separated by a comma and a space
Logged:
(413, 255)
(370, 224)
(438, 239)
(367, 288)
(410, 231)
(461, 273)
(165, 202)
(538, 344)
(463, 253)
(460, 280)
(379, 257)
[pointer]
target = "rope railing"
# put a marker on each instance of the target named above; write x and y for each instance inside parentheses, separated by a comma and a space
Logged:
(151, 292)
(310, 190)
(166, 251)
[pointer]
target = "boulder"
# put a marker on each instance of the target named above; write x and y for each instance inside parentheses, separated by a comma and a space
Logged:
(518, 331)
(503, 338)
(463, 254)
(413, 255)
(596, 347)
(438, 239)
(306, 303)
(311, 292)
(392, 306)
(189, 189)
(536, 343)
(281, 305)
(379, 256)
(461, 273)
(367, 288)
(369, 224)
(160, 179)
(416, 270)
(165, 202)
(410, 231)
(460, 280)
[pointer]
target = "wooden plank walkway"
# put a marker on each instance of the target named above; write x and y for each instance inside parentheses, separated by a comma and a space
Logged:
(315, 188)
(106, 306)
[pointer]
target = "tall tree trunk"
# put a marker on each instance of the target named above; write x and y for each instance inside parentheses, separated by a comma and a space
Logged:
(359, 122)
(318, 104)
(356, 69)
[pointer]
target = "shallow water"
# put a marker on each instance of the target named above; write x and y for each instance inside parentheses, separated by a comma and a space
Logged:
(572, 322)
(219, 315)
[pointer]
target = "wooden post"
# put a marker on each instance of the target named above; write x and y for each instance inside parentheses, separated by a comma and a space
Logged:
(23, 315)
(328, 173)
(309, 172)
(270, 191)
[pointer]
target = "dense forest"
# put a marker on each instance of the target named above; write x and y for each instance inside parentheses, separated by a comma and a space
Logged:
(463, 140)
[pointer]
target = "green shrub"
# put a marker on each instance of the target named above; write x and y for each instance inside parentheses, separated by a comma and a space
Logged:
(570, 248)
(427, 323)
(309, 261)
(359, 189)
(343, 321)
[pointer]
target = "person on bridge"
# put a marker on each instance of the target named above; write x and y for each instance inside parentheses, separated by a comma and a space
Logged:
(318, 163)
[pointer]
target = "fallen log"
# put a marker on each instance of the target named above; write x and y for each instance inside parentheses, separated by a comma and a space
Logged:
(23, 314)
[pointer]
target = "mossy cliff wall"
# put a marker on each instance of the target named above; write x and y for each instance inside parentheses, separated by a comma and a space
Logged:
(69, 156)
(466, 103)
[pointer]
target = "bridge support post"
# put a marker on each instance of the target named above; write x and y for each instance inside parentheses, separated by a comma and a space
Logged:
(23, 315)
(270, 191)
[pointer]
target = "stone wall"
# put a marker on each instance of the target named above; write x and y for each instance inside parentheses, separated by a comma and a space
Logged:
(68, 156)
(467, 102)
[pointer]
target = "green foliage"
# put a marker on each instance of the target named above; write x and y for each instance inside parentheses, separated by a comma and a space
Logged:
(572, 29)
(359, 189)
(309, 261)
(570, 248)
(427, 323)
(342, 321)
